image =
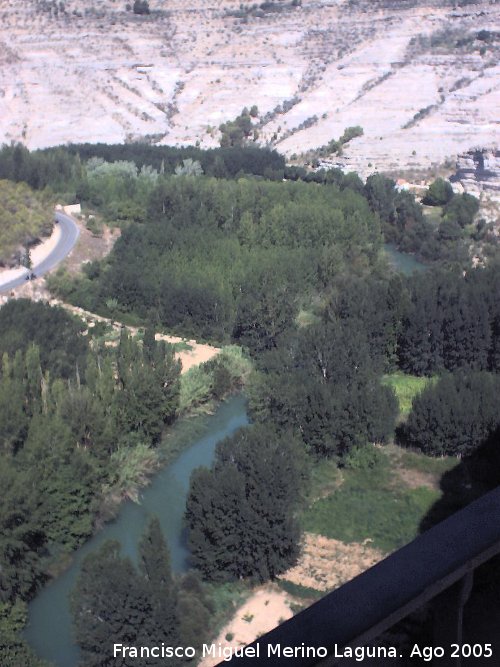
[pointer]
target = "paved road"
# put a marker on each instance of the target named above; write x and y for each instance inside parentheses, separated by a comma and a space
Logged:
(69, 236)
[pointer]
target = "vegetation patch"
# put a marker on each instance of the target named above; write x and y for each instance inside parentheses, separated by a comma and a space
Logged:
(25, 216)
(367, 506)
(406, 387)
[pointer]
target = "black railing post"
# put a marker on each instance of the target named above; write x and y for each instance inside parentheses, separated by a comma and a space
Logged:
(448, 612)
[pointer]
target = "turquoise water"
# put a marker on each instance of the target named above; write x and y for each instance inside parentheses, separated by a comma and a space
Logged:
(49, 629)
(403, 262)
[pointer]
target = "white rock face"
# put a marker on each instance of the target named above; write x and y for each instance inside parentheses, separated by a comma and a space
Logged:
(94, 71)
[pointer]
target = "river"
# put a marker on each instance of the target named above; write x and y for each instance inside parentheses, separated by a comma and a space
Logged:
(402, 262)
(49, 627)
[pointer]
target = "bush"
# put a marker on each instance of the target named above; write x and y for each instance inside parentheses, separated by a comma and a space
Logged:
(195, 388)
(141, 7)
(461, 209)
(366, 457)
(439, 193)
(455, 415)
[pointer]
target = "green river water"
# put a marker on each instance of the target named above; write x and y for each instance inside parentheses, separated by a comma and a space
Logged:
(49, 627)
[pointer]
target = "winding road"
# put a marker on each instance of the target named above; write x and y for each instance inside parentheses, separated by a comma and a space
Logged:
(69, 236)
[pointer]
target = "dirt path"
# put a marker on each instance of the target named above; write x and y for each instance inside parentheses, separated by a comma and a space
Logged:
(194, 354)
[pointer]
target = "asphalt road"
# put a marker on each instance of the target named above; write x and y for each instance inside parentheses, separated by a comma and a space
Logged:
(69, 236)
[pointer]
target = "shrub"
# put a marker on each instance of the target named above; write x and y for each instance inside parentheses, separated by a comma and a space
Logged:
(454, 415)
(439, 193)
(141, 7)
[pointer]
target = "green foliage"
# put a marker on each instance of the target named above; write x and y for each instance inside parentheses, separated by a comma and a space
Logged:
(62, 169)
(334, 146)
(112, 603)
(451, 321)
(325, 385)
(225, 259)
(195, 388)
(368, 506)
(13, 649)
(439, 193)
(189, 167)
(51, 329)
(461, 209)
(137, 606)
(403, 221)
(367, 457)
(237, 131)
(22, 539)
(406, 387)
(455, 415)
(64, 442)
(195, 610)
(299, 591)
(131, 469)
(24, 217)
(240, 514)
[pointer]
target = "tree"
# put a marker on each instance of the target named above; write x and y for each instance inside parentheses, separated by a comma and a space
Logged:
(241, 513)
(141, 7)
(381, 192)
(461, 209)
(439, 193)
(325, 385)
(28, 263)
(154, 559)
(454, 415)
(113, 603)
(22, 539)
(14, 651)
(189, 167)
(154, 565)
(56, 333)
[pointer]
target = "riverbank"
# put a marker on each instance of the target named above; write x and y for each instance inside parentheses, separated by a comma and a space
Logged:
(49, 627)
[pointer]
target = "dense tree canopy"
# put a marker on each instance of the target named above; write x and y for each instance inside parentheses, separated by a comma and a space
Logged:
(293, 271)
(241, 513)
(58, 435)
(231, 259)
(451, 321)
(53, 330)
(455, 415)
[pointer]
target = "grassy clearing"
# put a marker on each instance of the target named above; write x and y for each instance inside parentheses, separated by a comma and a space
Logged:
(326, 477)
(406, 387)
(427, 464)
(433, 214)
(306, 318)
(368, 505)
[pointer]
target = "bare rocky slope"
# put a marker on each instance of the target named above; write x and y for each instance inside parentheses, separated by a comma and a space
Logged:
(421, 78)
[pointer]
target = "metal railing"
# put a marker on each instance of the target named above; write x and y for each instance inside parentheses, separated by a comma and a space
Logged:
(440, 562)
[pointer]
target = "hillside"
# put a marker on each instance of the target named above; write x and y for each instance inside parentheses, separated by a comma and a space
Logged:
(24, 218)
(420, 78)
